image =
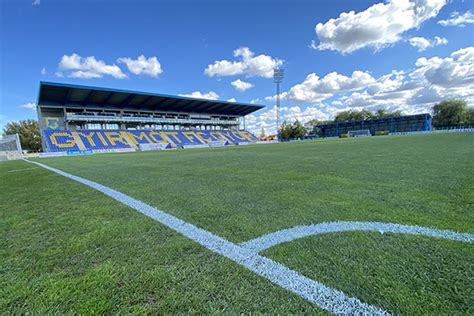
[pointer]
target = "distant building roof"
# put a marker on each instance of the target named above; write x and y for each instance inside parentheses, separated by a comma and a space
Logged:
(61, 94)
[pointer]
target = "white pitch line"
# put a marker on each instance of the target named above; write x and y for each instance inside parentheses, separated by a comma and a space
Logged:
(266, 241)
(325, 297)
(24, 169)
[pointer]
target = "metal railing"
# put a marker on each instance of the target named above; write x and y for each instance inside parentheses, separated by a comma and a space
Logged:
(132, 119)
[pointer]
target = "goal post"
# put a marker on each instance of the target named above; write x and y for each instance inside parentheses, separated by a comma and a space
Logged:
(359, 133)
(10, 148)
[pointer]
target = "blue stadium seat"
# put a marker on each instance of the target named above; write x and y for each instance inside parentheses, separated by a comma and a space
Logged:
(103, 139)
(63, 140)
(59, 140)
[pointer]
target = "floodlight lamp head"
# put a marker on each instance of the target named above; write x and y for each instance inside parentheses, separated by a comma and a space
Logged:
(278, 74)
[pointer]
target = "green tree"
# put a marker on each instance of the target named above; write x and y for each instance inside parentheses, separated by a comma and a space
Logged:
(285, 131)
(353, 115)
(295, 130)
(315, 122)
(382, 113)
(29, 133)
(451, 113)
(470, 116)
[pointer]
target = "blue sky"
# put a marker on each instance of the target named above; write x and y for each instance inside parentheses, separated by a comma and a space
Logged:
(336, 54)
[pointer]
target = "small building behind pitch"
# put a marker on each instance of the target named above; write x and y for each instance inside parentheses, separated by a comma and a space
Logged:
(379, 126)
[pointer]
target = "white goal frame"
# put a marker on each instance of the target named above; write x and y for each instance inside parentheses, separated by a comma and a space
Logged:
(10, 148)
(359, 133)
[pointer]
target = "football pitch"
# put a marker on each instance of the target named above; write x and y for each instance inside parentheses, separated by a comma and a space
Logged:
(68, 248)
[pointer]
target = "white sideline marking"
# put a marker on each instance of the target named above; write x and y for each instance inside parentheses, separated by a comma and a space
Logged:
(266, 241)
(323, 296)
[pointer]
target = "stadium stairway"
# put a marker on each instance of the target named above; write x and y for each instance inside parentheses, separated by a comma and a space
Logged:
(130, 141)
(78, 141)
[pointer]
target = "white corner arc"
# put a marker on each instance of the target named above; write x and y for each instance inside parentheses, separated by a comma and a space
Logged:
(285, 235)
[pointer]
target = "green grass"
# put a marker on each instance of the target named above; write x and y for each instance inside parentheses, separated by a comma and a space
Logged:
(69, 248)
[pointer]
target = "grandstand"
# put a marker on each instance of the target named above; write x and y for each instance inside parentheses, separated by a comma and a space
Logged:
(76, 118)
(401, 124)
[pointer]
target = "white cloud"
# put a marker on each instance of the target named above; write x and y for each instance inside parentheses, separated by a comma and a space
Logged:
(422, 43)
(440, 41)
(142, 65)
(249, 64)
(43, 71)
(240, 85)
(85, 74)
(36, 2)
(452, 76)
(294, 113)
(314, 89)
(87, 67)
(378, 26)
(416, 91)
(431, 81)
(254, 101)
(387, 83)
(211, 95)
(455, 71)
(232, 100)
(457, 19)
(267, 118)
(29, 106)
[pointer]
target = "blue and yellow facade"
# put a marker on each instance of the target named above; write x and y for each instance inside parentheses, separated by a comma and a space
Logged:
(73, 117)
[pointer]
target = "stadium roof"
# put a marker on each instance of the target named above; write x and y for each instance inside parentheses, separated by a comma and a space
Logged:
(61, 94)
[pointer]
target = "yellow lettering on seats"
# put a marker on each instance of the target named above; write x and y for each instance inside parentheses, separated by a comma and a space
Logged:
(142, 136)
(191, 136)
(101, 138)
(239, 135)
(218, 136)
(203, 137)
(229, 135)
(246, 135)
(174, 135)
(88, 138)
(70, 141)
(115, 137)
(158, 137)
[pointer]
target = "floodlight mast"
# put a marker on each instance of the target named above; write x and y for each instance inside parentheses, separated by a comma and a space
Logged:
(278, 74)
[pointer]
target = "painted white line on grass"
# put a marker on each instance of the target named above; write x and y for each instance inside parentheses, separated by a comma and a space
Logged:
(325, 297)
(24, 169)
(266, 241)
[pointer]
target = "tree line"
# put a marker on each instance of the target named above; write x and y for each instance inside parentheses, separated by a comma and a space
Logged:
(355, 115)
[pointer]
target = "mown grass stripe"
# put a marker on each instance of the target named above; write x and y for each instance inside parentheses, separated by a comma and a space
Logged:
(325, 297)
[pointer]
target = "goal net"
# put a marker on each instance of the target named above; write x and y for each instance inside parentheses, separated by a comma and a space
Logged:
(10, 148)
(359, 133)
